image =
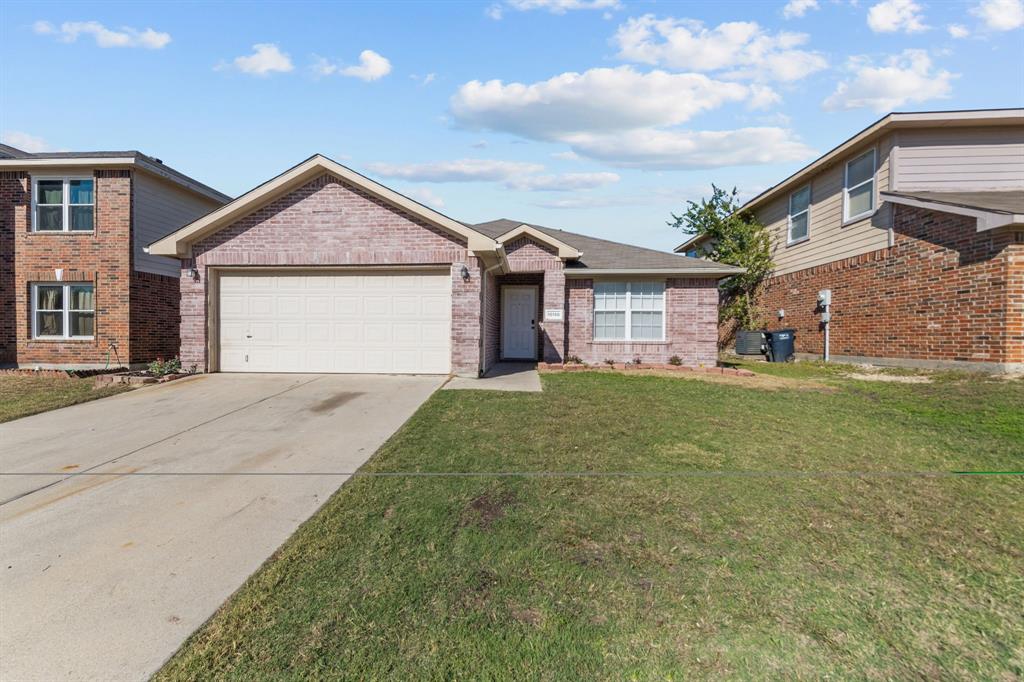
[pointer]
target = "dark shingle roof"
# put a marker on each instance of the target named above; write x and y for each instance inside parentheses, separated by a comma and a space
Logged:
(1008, 201)
(9, 152)
(601, 254)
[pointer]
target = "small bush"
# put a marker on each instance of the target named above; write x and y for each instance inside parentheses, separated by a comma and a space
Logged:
(573, 360)
(161, 367)
(609, 362)
(637, 361)
(675, 360)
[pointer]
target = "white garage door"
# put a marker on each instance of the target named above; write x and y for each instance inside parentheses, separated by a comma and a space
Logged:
(393, 323)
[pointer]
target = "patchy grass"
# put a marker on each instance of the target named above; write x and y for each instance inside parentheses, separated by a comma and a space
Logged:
(22, 395)
(768, 534)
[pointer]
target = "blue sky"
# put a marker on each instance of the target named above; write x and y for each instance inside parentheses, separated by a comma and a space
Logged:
(598, 116)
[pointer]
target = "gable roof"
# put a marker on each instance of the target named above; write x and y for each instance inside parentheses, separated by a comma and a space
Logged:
(601, 256)
(14, 158)
(179, 242)
(992, 209)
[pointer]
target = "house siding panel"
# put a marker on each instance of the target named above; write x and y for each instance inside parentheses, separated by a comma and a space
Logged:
(963, 160)
(161, 208)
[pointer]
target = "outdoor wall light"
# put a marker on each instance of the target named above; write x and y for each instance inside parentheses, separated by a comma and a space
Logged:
(465, 274)
(194, 274)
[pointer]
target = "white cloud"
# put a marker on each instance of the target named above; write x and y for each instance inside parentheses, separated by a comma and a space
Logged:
(27, 142)
(566, 156)
(685, 149)
(265, 59)
(598, 99)
(890, 16)
(424, 80)
(372, 66)
(739, 49)
(563, 182)
(1000, 15)
(904, 78)
(763, 97)
(426, 196)
(798, 8)
(958, 31)
(460, 170)
(497, 10)
(69, 31)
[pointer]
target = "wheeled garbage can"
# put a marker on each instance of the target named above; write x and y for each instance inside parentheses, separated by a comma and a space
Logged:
(780, 345)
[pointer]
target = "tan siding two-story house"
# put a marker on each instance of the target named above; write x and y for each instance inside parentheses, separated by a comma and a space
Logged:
(916, 226)
(77, 289)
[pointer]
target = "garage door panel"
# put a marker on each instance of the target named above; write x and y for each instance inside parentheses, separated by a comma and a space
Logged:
(372, 323)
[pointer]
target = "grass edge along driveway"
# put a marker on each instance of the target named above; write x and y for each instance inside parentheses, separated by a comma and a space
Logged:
(657, 577)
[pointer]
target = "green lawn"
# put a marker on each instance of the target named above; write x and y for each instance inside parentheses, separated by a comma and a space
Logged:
(770, 558)
(25, 394)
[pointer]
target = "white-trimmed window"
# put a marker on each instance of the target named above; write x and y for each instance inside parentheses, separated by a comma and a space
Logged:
(629, 311)
(63, 204)
(63, 311)
(799, 215)
(859, 187)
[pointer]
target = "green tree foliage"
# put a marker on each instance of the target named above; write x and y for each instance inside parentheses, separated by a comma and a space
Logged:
(733, 238)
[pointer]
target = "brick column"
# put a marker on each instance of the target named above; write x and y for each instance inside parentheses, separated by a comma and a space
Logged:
(554, 332)
(193, 317)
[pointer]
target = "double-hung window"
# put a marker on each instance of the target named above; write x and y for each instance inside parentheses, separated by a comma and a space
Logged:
(799, 215)
(63, 311)
(629, 311)
(859, 188)
(63, 204)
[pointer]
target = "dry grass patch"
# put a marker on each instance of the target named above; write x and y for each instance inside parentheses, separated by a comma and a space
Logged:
(22, 395)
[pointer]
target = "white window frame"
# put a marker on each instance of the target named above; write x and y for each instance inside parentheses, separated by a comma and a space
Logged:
(628, 338)
(790, 215)
(66, 310)
(66, 203)
(847, 218)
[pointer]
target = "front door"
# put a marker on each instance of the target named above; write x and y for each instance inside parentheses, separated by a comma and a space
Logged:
(519, 323)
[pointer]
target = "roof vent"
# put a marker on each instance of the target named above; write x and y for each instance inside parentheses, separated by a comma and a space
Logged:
(160, 161)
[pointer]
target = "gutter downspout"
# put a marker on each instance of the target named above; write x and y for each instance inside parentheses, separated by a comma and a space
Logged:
(502, 264)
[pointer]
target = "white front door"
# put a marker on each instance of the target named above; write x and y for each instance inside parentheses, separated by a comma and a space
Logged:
(390, 322)
(519, 323)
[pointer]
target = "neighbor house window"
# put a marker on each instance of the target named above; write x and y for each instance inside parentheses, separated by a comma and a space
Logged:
(799, 215)
(63, 311)
(859, 190)
(629, 311)
(63, 204)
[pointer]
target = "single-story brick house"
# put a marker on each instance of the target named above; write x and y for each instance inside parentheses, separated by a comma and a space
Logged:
(321, 269)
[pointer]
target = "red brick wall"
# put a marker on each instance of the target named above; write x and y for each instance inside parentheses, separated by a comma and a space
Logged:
(12, 200)
(102, 257)
(943, 292)
(526, 255)
(153, 322)
(691, 322)
(328, 222)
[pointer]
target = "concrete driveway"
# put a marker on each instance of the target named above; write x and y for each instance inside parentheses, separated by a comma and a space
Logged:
(126, 522)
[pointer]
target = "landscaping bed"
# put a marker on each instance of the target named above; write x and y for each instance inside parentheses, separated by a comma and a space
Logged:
(625, 525)
(639, 367)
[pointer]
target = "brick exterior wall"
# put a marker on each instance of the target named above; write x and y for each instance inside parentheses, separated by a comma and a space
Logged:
(943, 293)
(101, 257)
(691, 310)
(154, 317)
(525, 256)
(329, 222)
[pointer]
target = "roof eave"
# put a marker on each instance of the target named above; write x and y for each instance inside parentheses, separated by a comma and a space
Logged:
(987, 219)
(716, 272)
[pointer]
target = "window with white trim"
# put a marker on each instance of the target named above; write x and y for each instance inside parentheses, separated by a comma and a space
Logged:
(65, 204)
(629, 311)
(859, 187)
(63, 311)
(799, 215)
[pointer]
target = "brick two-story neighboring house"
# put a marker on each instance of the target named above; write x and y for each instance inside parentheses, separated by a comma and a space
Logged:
(77, 290)
(916, 226)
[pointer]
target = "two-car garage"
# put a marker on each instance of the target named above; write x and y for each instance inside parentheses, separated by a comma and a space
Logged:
(378, 322)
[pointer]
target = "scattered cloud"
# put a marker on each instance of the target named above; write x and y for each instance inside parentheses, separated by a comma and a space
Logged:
(426, 196)
(497, 10)
(265, 59)
(1000, 15)
(424, 80)
(958, 31)
(890, 16)
(628, 119)
(27, 142)
(372, 66)
(908, 77)
(737, 49)
(460, 170)
(651, 148)
(566, 156)
(602, 99)
(563, 182)
(798, 8)
(479, 144)
(69, 31)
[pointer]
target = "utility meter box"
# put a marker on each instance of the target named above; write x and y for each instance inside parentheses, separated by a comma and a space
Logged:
(825, 297)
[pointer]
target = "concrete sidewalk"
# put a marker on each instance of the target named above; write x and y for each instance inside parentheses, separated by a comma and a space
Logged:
(504, 376)
(127, 521)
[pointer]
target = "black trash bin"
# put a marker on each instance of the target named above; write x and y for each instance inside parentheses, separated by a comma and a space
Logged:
(780, 345)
